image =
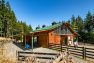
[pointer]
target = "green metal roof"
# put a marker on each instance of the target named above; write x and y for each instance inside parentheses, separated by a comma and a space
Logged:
(48, 27)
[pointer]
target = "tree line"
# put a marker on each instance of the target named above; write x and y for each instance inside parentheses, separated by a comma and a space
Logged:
(9, 25)
(84, 27)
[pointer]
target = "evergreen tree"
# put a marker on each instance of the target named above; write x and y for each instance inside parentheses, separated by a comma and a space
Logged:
(79, 23)
(88, 22)
(38, 27)
(9, 25)
(43, 26)
(29, 28)
(74, 23)
(69, 21)
(53, 23)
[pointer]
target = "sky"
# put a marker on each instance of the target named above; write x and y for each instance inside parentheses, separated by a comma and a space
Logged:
(40, 12)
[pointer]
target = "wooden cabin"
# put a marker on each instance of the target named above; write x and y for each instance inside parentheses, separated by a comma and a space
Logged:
(60, 33)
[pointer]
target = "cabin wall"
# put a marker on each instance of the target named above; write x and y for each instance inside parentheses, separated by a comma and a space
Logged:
(28, 38)
(57, 39)
(43, 42)
(54, 38)
(70, 40)
(44, 38)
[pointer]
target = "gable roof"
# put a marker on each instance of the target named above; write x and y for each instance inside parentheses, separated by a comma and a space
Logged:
(48, 28)
(54, 27)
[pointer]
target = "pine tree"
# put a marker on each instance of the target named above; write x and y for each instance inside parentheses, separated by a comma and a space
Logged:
(38, 27)
(53, 23)
(9, 25)
(74, 23)
(43, 26)
(79, 23)
(3, 17)
(29, 28)
(88, 22)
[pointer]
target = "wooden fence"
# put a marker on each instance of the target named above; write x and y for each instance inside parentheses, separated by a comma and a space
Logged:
(83, 52)
(22, 55)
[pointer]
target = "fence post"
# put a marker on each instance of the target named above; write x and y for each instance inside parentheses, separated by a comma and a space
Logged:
(67, 48)
(61, 43)
(84, 53)
(18, 54)
(61, 47)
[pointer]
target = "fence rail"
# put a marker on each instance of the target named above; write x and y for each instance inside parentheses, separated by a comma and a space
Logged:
(22, 55)
(83, 52)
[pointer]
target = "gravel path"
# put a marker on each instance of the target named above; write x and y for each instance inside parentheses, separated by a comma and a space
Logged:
(44, 50)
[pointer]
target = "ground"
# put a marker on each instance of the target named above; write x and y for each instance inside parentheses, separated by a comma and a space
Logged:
(86, 45)
(12, 52)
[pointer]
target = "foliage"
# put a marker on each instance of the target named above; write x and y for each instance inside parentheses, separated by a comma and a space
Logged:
(43, 26)
(53, 23)
(38, 27)
(8, 23)
(84, 27)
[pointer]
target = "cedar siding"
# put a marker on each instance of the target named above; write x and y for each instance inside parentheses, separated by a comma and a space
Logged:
(50, 34)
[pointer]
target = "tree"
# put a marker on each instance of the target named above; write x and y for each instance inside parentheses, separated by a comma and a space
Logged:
(79, 23)
(74, 23)
(8, 6)
(43, 26)
(38, 27)
(0, 18)
(8, 22)
(88, 22)
(69, 21)
(53, 23)
(3, 17)
(30, 28)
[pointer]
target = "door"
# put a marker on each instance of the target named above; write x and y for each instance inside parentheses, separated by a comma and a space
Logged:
(36, 42)
(65, 41)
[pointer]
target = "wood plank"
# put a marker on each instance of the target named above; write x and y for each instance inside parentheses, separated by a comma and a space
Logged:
(19, 52)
